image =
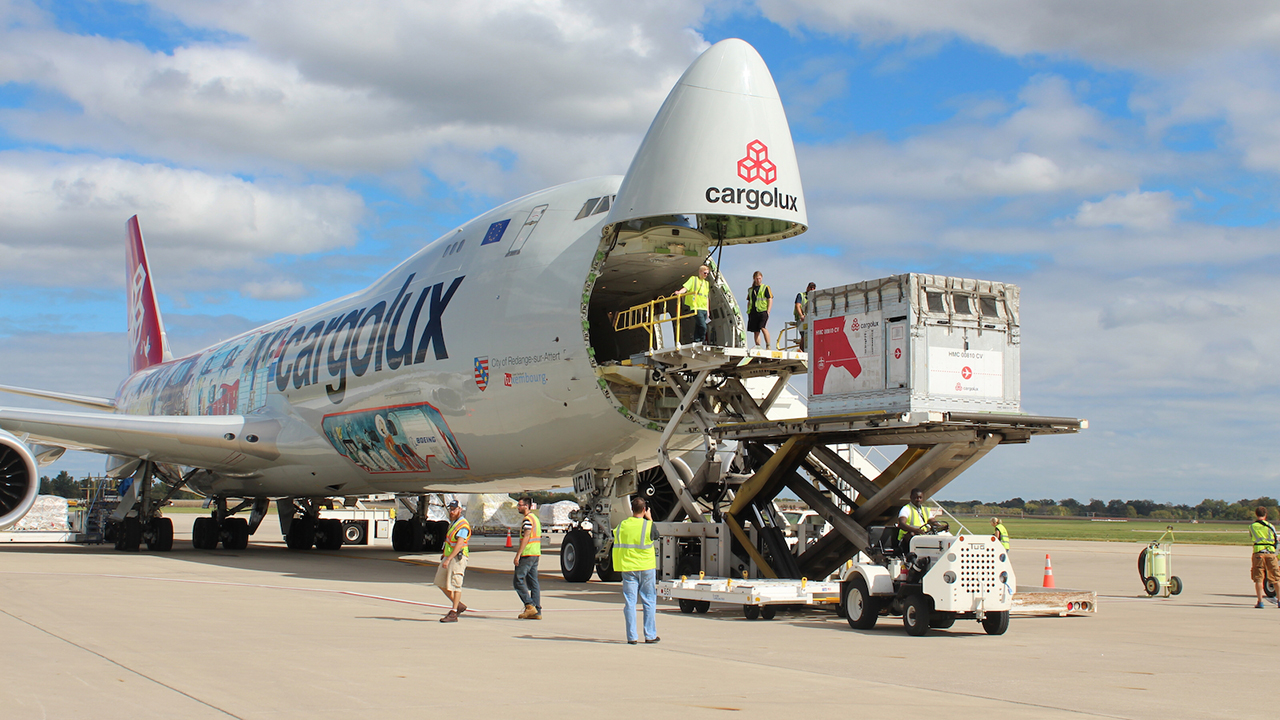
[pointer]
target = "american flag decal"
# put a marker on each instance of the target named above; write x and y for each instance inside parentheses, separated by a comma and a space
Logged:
(482, 372)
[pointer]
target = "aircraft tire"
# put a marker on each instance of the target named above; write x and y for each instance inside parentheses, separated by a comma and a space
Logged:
(161, 539)
(204, 534)
(605, 571)
(329, 534)
(577, 556)
(302, 533)
(400, 536)
(235, 533)
(130, 534)
(417, 535)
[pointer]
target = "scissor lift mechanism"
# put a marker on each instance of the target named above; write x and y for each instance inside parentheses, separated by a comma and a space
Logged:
(714, 402)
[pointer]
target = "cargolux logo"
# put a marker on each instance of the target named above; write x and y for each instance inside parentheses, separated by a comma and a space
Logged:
(757, 165)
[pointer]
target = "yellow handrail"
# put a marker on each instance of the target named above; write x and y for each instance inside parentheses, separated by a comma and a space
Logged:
(646, 316)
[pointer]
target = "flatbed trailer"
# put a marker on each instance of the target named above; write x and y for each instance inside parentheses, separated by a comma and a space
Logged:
(758, 597)
(1054, 601)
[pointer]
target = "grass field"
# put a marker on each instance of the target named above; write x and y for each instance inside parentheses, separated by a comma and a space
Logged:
(1137, 531)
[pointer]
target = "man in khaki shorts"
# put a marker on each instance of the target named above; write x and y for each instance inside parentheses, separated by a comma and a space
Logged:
(453, 562)
(1264, 554)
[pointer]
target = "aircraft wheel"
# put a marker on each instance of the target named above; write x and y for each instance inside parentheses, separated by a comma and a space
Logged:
(915, 615)
(204, 534)
(161, 536)
(235, 533)
(996, 623)
(768, 612)
(605, 571)
(686, 606)
(302, 533)
(433, 538)
(130, 534)
(400, 536)
(1175, 585)
(577, 556)
(751, 612)
(418, 537)
(861, 609)
(115, 534)
(329, 534)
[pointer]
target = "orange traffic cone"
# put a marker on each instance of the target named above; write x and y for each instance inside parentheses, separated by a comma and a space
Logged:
(1048, 572)
(510, 545)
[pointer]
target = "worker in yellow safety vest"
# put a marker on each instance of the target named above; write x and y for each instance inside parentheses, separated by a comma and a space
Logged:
(634, 557)
(802, 305)
(913, 519)
(528, 552)
(1000, 532)
(453, 562)
(1264, 554)
(698, 290)
(759, 304)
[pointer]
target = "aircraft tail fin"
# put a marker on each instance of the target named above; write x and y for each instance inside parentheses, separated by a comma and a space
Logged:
(147, 341)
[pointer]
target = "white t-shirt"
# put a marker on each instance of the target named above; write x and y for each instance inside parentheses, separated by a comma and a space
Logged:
(905, 512)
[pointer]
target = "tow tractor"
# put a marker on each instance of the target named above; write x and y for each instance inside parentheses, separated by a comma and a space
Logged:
(941, 578)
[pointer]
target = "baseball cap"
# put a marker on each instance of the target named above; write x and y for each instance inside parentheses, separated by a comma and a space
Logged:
(452, 504)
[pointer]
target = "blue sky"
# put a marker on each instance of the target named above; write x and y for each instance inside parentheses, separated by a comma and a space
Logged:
(1117, 163)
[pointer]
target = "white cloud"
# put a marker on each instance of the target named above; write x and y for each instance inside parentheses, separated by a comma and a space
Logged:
(62, 217)
(1138, 210)
(274, 289)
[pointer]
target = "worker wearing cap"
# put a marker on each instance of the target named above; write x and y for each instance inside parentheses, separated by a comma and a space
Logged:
(913, 519)
(1264, 554)
(1000, 532)
(634, 557)
(453, 562)
(528, 553)
(802, 304)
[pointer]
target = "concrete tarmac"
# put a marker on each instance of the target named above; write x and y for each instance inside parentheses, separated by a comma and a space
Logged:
(271, 633)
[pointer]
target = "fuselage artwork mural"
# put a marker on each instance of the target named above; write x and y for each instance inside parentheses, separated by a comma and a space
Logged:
(401, 438)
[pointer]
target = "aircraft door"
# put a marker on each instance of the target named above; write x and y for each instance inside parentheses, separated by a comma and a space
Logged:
(526, 230)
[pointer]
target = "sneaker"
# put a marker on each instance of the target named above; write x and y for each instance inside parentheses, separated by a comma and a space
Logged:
(450, 616)
(653, 640)
(1259, 604)
(461, 608)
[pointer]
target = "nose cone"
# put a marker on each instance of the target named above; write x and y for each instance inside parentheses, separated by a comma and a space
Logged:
(720, 150)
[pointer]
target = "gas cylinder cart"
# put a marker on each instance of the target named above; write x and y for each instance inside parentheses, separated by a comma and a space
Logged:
(1155, 567)
(758, 597)
(939, 579)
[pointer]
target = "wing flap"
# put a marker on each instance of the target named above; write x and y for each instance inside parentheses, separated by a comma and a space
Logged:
(234, 443)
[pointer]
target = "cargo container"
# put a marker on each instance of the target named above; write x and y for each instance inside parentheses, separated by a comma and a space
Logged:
(914, 342)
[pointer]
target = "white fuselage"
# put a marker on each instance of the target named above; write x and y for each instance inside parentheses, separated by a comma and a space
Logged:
(413, 348)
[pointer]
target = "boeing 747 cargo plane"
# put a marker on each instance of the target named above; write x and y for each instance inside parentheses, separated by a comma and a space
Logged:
(476, 365)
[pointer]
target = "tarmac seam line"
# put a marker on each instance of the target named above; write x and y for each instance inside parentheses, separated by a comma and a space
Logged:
(119, 665)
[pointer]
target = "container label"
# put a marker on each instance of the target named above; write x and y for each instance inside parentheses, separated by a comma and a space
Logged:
(966, 373)
(848, 354)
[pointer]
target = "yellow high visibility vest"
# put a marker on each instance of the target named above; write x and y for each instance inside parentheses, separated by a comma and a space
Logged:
(534, 546)
(451, 538)
(804, 300)
(1264, 536)
(696, 297)
(758, 298)
(633, 548)
(916, 516)
(1003, 535)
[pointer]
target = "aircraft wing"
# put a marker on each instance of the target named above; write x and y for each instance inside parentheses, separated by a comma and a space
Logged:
(230, 443)
(96, 403)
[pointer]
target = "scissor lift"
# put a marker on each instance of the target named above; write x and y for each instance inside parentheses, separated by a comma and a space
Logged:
(939, 446)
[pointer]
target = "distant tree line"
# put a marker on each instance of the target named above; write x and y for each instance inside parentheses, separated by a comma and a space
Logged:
(63, 485)
(1207, 510)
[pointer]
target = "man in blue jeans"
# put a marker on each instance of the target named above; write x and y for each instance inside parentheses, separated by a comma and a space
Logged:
(526, 561)
(634, 557)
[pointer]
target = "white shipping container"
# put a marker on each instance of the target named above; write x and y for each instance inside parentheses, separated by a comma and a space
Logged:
(914, 342)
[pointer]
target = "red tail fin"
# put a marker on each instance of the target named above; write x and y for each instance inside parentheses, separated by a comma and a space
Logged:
(147, 341)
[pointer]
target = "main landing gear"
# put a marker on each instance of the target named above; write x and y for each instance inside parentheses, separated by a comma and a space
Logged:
(418, 533)
(303, 528)
(137, 520)
(221, 528)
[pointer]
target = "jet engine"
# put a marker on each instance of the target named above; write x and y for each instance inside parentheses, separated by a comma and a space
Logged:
(19, 482)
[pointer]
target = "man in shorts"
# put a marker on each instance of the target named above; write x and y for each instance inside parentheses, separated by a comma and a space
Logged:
(453, 562)
(1264, 554)
(759, 303)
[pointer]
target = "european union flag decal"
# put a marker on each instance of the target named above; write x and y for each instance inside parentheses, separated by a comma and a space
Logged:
(495, 232)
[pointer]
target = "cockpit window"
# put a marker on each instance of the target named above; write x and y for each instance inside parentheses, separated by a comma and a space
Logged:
(595, 206)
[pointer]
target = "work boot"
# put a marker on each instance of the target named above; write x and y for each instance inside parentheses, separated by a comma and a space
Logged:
(461, 608)
(529, 612)
(537, 614)
(450, 616)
